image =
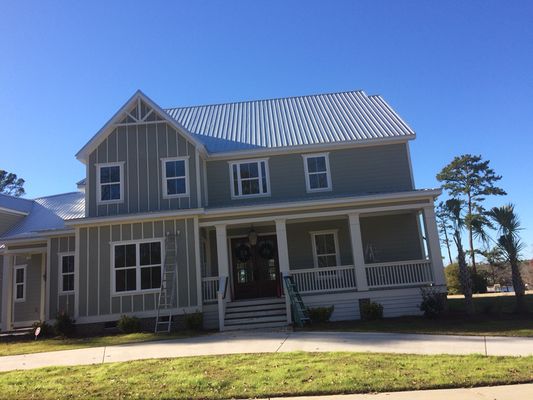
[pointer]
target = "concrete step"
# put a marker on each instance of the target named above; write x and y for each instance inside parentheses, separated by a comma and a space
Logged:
(254, 302)
(256, 326)
(256, 320)
(254, 313)
(260, 308)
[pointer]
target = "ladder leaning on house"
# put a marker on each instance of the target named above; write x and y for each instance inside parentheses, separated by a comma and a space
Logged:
(167, 292)
(299, 312)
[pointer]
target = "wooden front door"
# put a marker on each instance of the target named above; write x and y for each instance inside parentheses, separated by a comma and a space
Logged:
(255, 268)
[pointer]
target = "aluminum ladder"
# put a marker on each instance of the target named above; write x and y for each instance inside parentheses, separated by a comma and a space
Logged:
(299, 312)
(167, 292)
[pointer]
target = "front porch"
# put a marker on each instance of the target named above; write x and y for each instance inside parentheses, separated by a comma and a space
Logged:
(333, 257)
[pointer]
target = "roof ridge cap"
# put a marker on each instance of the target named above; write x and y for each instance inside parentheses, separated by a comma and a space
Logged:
(268, 99)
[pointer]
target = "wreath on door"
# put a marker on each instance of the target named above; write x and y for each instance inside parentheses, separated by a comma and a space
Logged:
(243, 252)
(266, 250)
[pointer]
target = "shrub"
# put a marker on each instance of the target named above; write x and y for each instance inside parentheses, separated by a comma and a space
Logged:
(479, 280)
(127, 324)
(433, 302)
(64, 325)
(194, 321)
(320, 314)
(370, 310)
(46, 329)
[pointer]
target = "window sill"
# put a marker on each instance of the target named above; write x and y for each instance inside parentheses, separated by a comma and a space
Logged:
(133, 292)
(105, 203)
(176, 196)
(250, 196)
(319, 190)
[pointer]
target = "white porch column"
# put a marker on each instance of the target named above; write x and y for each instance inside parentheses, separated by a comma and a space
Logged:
(223, 271)
(7, 294)
(283, 259)
(222, 250)
(357, 251)
(433, 241)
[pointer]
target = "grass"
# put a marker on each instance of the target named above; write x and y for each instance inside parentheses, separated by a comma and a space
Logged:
(265, 375)
(27, 345)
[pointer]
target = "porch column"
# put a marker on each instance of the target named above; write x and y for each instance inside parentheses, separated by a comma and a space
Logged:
(222, 250)
(7, 294)
(283, 259)
(357, 251)
(433, 242)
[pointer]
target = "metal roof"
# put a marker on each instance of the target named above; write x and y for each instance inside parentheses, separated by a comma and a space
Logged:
(15, 203)
(47, 214)
(292, 121)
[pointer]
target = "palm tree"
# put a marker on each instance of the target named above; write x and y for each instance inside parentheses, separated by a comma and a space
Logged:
(454, 210)
(508, 226)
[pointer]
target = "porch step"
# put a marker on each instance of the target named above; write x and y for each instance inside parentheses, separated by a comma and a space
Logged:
(255, 314)
(265, 325)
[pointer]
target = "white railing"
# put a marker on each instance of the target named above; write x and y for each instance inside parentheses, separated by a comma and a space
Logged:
(403, 273)
(331, 279)
(209, 289)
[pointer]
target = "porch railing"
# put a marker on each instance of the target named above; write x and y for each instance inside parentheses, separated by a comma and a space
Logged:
(402, 273)
(331, 279)
(209, 289)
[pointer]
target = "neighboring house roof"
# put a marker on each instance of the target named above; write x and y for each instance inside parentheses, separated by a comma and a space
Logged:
(292, 121)
(48, 214)
(15, 204)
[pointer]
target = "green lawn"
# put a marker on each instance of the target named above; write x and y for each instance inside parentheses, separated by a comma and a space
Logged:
(264, 375)
(27, 344)
(493, 304)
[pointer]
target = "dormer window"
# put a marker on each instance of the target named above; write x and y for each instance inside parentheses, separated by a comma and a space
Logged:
(249, 178)
(110, 183)
(175, 177)
(317, 175)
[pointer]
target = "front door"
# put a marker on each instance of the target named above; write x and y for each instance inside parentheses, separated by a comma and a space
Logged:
(255, 268)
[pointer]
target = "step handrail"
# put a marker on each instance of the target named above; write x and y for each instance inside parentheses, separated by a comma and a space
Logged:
(221, 299)
(299, 311)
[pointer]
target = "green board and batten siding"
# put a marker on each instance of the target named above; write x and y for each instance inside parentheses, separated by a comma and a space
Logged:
(354, 171)
(141, 148)
(95, 264)
(60, 302)
(30, 309)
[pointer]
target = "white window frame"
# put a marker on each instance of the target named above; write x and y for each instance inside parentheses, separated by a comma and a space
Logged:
(23, 283)
(335, 233)
(164, 177)
(307, 173)
(137, 244)
(99, 184)
(61, 273)
(239, 181)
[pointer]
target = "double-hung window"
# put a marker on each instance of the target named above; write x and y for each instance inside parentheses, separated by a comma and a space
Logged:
(66, 281)
(110, 183)
(19, 279)
(249, 178)
(325, 248)
(175, 177)
(137, 266)
(317, 175)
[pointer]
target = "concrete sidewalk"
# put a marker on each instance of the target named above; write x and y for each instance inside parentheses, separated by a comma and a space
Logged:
(276, 341)
(515, 392)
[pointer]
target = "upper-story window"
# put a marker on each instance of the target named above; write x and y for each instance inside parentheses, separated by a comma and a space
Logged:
(110, 183)
(175, 177)
(317, 175)
(249, 178)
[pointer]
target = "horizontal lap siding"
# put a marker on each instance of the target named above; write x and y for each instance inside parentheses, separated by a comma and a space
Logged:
(210, 316)
(392, 237)
(354, 171)
(60, 302)
(346, 305)
(141, 148)
(96, 298)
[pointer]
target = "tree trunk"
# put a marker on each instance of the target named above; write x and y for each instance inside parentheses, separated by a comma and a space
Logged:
(471, 235)
(448, 246)
(464, 276)
(518, 286)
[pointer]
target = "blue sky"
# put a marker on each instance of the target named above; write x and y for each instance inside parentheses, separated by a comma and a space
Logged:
(461, 73)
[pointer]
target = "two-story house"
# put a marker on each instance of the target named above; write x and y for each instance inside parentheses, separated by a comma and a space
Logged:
(317, 187)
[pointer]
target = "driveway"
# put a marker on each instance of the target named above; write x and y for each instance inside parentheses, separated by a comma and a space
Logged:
(276, 341)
